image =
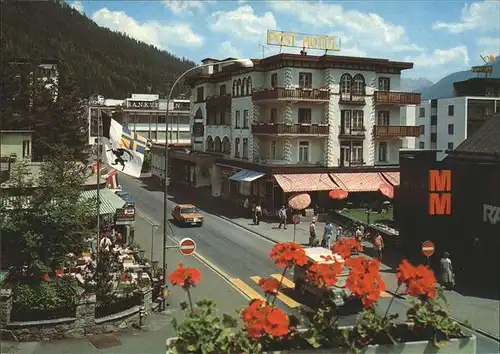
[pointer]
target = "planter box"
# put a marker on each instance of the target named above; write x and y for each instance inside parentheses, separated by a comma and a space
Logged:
(465, 345)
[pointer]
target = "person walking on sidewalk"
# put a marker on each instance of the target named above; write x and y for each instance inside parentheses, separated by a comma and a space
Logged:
(328, 235)
(447, 277)
(282, 217)
(379, 247)
(257, 214)
(313, 240)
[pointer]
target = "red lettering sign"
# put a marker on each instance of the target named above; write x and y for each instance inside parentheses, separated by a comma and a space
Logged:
(439, 192)
(439, 181)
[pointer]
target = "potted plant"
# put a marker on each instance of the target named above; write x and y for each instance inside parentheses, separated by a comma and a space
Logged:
(266, 328)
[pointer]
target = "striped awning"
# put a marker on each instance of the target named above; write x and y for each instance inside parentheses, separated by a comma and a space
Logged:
(359, 182)
(246, 176)
(392, 177)
(307, 182)
(109, 200)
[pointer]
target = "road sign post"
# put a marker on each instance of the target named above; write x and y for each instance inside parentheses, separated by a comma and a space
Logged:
(428, 249)
(187, 246)
(295, 220)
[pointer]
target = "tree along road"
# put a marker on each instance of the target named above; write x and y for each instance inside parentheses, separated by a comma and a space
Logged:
(242, 255)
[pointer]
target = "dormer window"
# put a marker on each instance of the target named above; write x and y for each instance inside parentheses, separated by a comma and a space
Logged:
(216, 68)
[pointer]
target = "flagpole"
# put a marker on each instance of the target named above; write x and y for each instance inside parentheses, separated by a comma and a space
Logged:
(99, 148)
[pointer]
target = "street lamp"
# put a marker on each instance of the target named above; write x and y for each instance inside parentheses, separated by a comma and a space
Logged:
(246, 63)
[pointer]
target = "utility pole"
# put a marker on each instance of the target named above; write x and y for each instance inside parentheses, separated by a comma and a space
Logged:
(99, 148)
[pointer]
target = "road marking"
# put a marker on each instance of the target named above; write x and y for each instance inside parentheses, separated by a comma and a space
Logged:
(285, 281)
(282, 297)
(248, 291)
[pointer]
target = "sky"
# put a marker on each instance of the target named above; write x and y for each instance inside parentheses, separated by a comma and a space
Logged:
(439, 37)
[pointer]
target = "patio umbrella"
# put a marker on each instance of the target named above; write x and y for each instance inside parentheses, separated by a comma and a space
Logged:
(299, 201)
(338, 194)
(386, 190)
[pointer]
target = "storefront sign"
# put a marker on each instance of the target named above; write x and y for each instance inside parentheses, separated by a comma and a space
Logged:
(143, 104)
(299, 40)
(125, 216)
(491, 214)
(198, 129)
(440, 192)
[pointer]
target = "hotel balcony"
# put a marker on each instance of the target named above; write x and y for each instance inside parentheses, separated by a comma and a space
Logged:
(292, 94)
(352, 98)
(396, 98)
(290, 129)
(218, 102)
(351, 133)
(396, 131)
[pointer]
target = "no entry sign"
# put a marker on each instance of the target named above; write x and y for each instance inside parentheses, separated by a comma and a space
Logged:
(295, 219)
(428, 248)
(187, 246)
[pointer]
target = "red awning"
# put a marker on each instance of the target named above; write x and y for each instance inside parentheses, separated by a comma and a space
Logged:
(392, 177)
(307, 182)
(358, 182)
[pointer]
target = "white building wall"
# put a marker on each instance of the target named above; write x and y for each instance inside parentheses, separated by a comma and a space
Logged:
(458, 120)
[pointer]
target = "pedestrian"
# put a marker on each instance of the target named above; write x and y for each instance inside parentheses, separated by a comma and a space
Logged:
(339, 233)
(379, 246)
(282, 217)
(447, 276)
(359, 234)
(328, 235)
(258, 214)
(105, 243)
(313, 240)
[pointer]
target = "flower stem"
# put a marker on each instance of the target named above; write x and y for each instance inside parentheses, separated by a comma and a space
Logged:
(279, 286)
(390, 303)
(190, 300)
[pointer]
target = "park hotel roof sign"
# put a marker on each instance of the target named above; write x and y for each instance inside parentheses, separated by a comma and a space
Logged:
(305, 41)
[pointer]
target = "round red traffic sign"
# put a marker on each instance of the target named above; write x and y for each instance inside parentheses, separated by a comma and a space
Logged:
(187, 246)
(428, 248)
(295, 219)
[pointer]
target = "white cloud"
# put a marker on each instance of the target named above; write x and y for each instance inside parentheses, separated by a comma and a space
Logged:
(184, 7)
(368, 28)
(227, 50)
(151, 32)
(458, 56)
(77, 5)
(476, 16)
(489, 45)
(243, 23)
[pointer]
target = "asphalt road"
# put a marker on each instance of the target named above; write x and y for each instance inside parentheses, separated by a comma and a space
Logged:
(241, 254)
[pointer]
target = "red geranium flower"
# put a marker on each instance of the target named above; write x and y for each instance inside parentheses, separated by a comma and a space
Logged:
(364, 280)
(46, 277)
(185, 277)
(261, 319)
(324, 274)
(59, 273)
(270, 286)
(346, 246)
(419, 280)
(288, 254)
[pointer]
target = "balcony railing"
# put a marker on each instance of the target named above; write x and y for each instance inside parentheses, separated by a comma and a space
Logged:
(396, 131)
(289, 129)
(396, 98)
(219, 101)
(352, 132)
(292, 94)
(351, 98)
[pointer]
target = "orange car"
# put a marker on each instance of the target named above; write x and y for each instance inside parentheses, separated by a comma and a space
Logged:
(187, 214)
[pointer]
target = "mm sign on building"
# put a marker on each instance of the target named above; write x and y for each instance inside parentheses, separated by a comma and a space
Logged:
(440, 192)
(300, 40)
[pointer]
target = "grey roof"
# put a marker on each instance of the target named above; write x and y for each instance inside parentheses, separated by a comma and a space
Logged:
(109, 200)
(486, 140)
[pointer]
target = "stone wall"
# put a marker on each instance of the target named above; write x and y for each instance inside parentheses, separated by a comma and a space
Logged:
(83, 324)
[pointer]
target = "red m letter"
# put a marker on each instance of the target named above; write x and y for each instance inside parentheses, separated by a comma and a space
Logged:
(440, 181)
(440, 203)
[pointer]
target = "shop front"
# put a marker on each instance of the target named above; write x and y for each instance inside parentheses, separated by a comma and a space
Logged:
(124, 222)
(191, 167)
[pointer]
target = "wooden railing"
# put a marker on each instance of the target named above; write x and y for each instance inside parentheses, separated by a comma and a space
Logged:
(388, 131)
(350, 131)
(291, 94)
(289, 129)
(352, 97)
(396, 98)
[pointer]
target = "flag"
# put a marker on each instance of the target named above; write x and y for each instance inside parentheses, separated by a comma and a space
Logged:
(123, 148)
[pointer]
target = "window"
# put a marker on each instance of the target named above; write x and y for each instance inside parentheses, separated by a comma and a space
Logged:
(249, 86)
(245, 119)
(303, 151)
(153, 136)
(345, 153)
(451, 110)
(450, 146)
(382, 151)
(357, 152)
(210, 143)
(216, 68)
(421, 145)
(226, 145)
(243, 86)
(433, 145)
(274, 115)
(222, 90)
(451, 129)
(274, 80)
(383, 117)
(358, 85)
(200, 93)
(183, 135)
(238, 87)
(237, 147)
(357, 120)
(434, 120)
(245, 148)
(305, 80)
(422, 129)
(345, 87)
(274, 149)
(345, 118)
(384, 84)
(26, 148)
(237, 119)
(304, 116)
(421, 113)
(234, 87)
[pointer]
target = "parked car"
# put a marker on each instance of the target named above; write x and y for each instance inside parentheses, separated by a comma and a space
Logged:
(130, 202)
(187, 214)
